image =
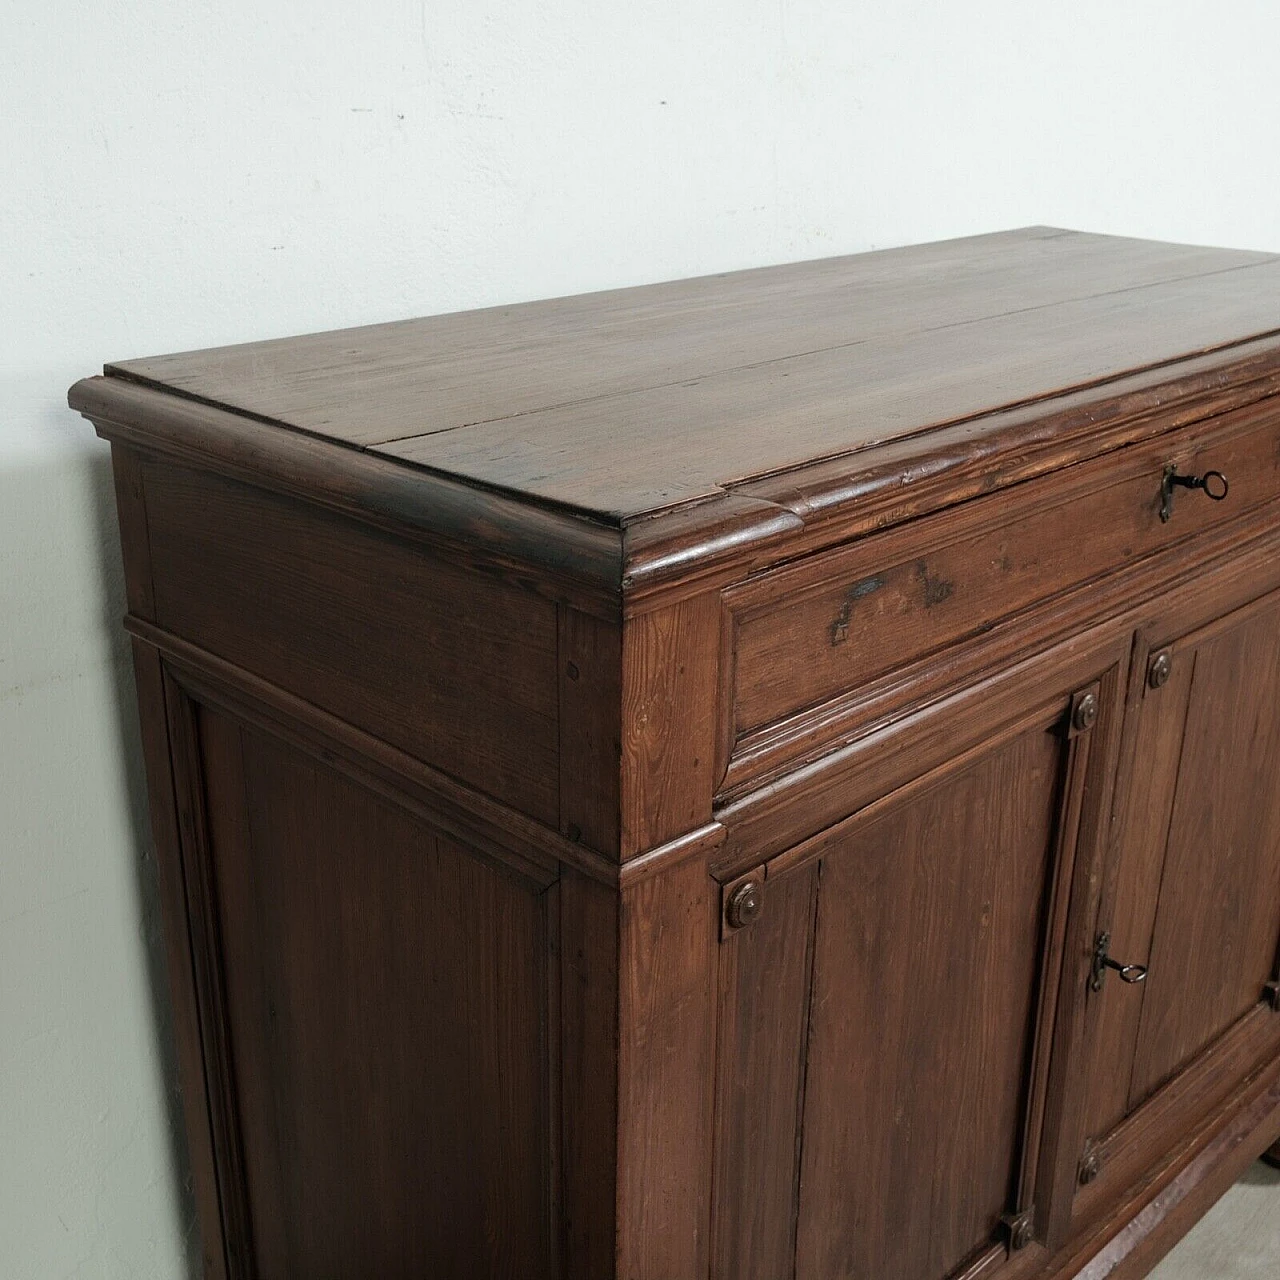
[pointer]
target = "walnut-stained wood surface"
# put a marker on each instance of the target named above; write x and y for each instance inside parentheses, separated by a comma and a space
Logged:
(447, 1123)
(926, 1112)
(1214, 940)
(765, 982)
(641, 781)
(687, 382)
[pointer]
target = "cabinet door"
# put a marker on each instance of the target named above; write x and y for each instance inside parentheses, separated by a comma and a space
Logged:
(1196, 889)
(887, 1105)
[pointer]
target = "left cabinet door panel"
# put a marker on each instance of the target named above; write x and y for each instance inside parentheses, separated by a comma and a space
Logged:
(376, 1004)
(891, 1095)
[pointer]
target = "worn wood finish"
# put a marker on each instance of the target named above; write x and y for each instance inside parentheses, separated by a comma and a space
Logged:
(887, 600)
(766, 994)
(552, 554)
(666, 1011)
(928, 1112)
(589, 658)
(1217, 928)
(1127, 1155)
(443, 372)
(669, 691)
(1196, 894)
(877, 352)
(1177, 1190)
(1129, 915)
(638, 779)
(371, 610)
(448, 1124)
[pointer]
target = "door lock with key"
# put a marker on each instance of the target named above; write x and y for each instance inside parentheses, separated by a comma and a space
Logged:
(1213, 484)
(1130, 973)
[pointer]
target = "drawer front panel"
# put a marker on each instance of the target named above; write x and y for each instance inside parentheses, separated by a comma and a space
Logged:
(812, 632)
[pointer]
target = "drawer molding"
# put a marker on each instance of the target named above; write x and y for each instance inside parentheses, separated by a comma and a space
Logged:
(799, 708)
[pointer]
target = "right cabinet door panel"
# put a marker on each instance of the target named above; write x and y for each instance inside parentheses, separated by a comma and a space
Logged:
(1196, 896)
(1213, 949)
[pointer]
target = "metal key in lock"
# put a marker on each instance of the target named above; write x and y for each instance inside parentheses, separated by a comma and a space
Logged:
(1130, 973)
(1213, 484)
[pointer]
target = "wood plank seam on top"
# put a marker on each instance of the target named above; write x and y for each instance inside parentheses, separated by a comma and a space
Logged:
(859, 342)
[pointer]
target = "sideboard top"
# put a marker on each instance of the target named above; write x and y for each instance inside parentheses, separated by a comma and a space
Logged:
(623, 403)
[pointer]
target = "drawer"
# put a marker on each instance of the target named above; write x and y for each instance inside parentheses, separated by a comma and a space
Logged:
(806, 645)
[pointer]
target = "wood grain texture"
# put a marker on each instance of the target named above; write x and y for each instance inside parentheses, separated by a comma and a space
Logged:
(1239, 557)
(589, 1075)
(666, 1018)
(1191, 772)
(837, 348)
(443, 372)
(1217, 928)
(135, 540)
(193, 807)
(669, 695)
(884, 484)
(638, 778)
(762, 1033)
(569, 559)
(817, 799)
(844, 431)
(1129, 915)
(589, 658)
(161, 790)
(1053, 1124)
(452, 666)
(499, 831)
(723, 428)
(921, 1122)
(810, 631)
(445, 1122)
(1134, 1150)
(1183, 1189)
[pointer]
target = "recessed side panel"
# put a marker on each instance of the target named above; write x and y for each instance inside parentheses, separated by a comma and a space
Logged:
(385, 1004)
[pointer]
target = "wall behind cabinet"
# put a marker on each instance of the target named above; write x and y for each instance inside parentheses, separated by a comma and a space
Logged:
(184, 174)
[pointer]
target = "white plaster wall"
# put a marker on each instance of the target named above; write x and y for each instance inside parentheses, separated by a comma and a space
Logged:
(175, 174)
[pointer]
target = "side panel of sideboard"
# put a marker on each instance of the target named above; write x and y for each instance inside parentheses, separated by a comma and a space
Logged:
(396, 997)
(376, 1001)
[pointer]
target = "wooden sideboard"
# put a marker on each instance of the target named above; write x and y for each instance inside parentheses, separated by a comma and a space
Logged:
(772, 775)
